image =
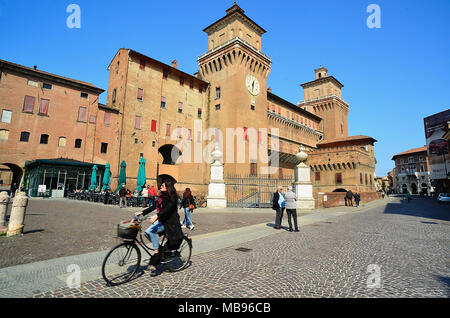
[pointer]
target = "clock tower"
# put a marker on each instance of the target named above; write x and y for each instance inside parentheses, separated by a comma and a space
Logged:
(237, 71)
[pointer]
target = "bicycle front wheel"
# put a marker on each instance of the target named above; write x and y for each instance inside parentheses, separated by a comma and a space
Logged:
(175, 261)
(121, 263)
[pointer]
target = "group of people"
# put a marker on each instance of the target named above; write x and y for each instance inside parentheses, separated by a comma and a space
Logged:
(148, 196)
(349, 196)
(282, 201)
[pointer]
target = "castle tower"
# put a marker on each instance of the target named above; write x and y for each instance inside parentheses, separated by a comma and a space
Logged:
(323, 97)
(237, 71)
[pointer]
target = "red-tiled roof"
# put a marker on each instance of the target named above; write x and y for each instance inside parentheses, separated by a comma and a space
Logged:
(411, 151)
(40, 73)
(343, 139)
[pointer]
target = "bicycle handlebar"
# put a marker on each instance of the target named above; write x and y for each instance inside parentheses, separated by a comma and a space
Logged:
(139, 218)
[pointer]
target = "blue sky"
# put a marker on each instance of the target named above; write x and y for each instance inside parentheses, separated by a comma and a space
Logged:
(393, 77)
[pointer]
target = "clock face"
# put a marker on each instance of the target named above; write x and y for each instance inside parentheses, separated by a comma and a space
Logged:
(252, 84)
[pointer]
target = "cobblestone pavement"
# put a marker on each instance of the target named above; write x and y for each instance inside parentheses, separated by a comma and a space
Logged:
(408, 242)
(58, 228)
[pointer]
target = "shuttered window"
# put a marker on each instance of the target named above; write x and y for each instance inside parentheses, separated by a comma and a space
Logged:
(28, 104)
(140, 95)
(153, 125)
(253, 169)
(43, 107)
(163, 102)
(168, 130)
(107, 119)
(137, 122)
(6, 116)
(82, 114)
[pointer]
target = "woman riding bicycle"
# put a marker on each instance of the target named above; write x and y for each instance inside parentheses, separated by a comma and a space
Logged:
(165, 220)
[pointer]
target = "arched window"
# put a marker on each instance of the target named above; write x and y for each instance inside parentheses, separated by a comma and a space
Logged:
(78, 143)
(62, 141)
(44, 139)
(24, 136)
(4, 134)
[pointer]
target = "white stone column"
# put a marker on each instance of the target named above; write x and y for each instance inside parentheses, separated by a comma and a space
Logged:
(4, 201)
(303, 184)
(15, 225)
(216, 190)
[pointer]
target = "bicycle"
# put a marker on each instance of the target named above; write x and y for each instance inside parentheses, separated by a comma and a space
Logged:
(123, 261)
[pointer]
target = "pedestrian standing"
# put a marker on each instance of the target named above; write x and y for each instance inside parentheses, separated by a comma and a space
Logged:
(188, 204)
(357, 199)
(128, 196)
(277, 205)
(291, 208)
(152, 195)
(13, 189)
(122, 195)
(144, 196)
(106, 197)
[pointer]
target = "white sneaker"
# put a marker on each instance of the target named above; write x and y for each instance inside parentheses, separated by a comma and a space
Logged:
(191, 227)
(183, 226)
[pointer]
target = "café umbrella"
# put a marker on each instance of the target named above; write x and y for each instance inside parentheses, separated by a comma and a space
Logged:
(122, 176)
(107, 178)
(141, 178)
(93, 185)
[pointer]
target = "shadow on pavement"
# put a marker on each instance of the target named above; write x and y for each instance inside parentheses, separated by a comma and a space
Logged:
(446, 281)
(420, 207)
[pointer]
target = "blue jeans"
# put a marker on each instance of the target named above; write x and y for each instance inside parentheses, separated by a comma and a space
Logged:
(152, 233)
(187, 217)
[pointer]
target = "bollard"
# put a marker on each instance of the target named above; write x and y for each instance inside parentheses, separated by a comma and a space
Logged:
(4, 201)
(17, 217)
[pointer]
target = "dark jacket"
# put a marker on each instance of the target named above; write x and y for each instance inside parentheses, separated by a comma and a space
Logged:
(349, 194)
(188, 201)
(276, 197)
(123, 192)
(168, 216)
(357, 197)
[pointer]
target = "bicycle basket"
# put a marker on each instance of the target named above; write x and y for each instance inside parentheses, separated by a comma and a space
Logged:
(127, 230)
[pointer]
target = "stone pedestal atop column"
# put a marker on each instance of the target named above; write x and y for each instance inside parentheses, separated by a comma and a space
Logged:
(216, 190)
(303, 184)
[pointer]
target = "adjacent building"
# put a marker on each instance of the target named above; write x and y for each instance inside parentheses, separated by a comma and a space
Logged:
(411, 173)
(437, 134)
(47, 116)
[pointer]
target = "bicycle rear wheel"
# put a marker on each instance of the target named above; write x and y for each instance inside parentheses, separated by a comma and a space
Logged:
(121, 263)
(175, 261)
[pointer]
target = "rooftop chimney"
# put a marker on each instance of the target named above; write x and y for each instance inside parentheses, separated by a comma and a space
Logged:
(35, 67)
(269, 89)
(174, 64)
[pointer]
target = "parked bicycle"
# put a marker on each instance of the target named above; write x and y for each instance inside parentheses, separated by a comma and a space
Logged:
(123, 261)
